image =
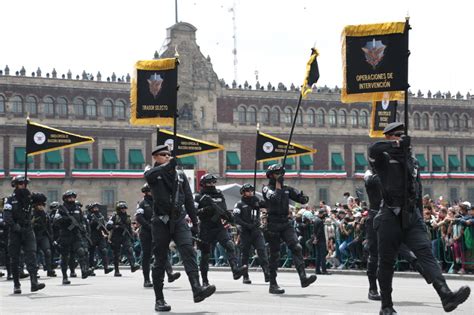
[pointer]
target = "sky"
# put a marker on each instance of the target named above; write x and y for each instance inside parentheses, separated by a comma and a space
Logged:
(273, 37)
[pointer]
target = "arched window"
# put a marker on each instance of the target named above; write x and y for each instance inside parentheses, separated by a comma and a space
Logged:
(108, 109)
(437, 122)
(288, 116)
(48, 106)
(342, 118)
(252, 115)
(299, 118)
(31, 105)
(311, 114)
(275, 116)
(242, 114)
(456, 121)
(120, 109)
(265, 116)
(425, 122)
(91, 108)
(320, 118)
(2, 104)
(364, 118)
(61, 107)
(355, 118)
(445, 122)
(417, 121)
(186, 112)
(332, 118)
(465, 122)
(17, 104)
(78, 105)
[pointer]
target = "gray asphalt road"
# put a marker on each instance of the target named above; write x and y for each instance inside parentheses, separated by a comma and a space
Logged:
(332, 294)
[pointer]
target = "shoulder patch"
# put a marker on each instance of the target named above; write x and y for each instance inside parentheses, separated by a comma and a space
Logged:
(140, 211)
(236, 211)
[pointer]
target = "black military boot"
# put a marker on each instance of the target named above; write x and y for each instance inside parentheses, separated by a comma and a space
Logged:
(373, 292)
(134, 267)
(205, 280)
(200, 293)
(117, 270)
(147, 283)
(66, 280)
(389, 310)
(85, 273)
(160, 303)
(274, 288)
(449, 299)
(238, 272)
(73, 274)
(246, 279)
(305, 281)
(35, 285)
(17, 288)
(108, 269)
(51, 273)
(23, 275)
(173, 276)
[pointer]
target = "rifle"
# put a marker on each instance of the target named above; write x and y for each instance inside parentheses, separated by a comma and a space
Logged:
(75, 224)
(206, 201)
(124, 227)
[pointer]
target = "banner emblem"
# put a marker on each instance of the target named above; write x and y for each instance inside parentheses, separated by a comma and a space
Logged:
(39, 137)
(268, 147)
(154, 83)
(374, 52)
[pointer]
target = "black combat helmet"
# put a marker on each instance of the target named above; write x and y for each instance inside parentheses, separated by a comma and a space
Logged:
(38, 198)
(54, 205)
(275, 169)
(121, 205)
(207, 179)
(246, 187)
(69, 193)
(19, 179)
(146, 188)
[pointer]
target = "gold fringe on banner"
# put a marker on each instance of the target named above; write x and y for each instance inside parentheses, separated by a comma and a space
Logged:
(368, 30)
(159, 64)
(305, 90)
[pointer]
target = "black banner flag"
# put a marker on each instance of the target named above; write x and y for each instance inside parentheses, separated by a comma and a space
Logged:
(270, 148)
(41, 138)
(383, 113)
(312, 73)
(153, 94)
(187, 146)
(375, 62)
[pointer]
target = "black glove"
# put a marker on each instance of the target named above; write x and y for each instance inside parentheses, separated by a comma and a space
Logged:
(405, 141)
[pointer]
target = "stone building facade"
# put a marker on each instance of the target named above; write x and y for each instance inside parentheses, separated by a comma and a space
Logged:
(110, 169)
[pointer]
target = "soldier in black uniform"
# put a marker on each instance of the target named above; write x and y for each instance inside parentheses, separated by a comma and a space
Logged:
(4, 242)
(69, 220)
(277, 197)
(172, 201)
(212, 209)
(143, 216)
(17, 215)
(247, 215)
(55, 253)
(120, 228)
(399, 219)
(42, 228)
(98, 236)
(319, 242)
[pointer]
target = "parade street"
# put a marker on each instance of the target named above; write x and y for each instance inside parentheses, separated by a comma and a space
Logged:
(331, 294)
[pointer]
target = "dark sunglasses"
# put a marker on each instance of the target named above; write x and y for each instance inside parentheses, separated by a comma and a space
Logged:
(164, 154)
(398, 133)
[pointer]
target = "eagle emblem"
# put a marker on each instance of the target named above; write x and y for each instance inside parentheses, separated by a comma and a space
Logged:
(374, 52)
(154, 83)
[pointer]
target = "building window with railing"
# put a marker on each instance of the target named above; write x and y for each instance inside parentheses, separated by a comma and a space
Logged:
(78, 106)
(437, 163)
(454, 163)
(288, 116)
(2, 104)
(135, 159)
(109, 159)
(17, 104)
(91, 109)
(320, 117)
(61, 107)
(416, 121)
(311, 114)
(252, 115)
(342, 118)
(107, 109)
(337, 162)
(31, 105)
(275, 116)
(48, 106)
(242, 112)
(53, 160)
(470, 164)
(425, 122)
(265, 116)
(82, 159)
(355, 119)
(332, 118)
(120, 109)
(364, 119)
(437, 122)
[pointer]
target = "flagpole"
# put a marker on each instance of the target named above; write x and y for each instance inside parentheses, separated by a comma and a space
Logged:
(26, 150)
(175, 118)
(255, 165)
(405, 149)
(292, 128)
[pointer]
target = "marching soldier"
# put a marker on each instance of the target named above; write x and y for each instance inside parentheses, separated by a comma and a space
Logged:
(399, 219)
(98, 235)
(277, 197)
(120, 228)
(247, 215)
(212, 209)
(143, 216)
(53, 208)
(4, 242)
(172, 201)
(42, 228)
(69, 220)
(17, 215)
